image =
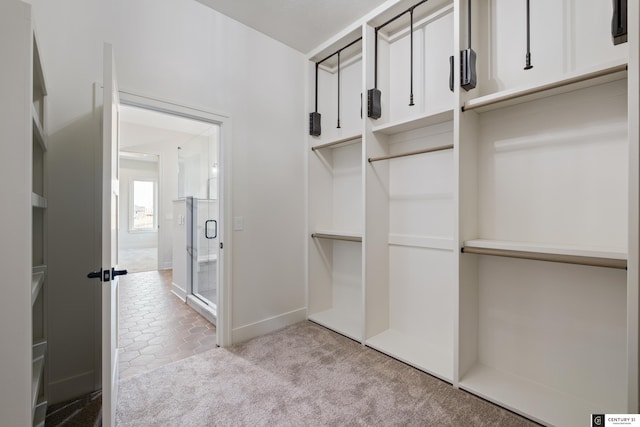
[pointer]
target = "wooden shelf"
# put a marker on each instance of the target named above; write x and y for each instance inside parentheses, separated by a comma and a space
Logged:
(345, 322)
(428, 119)
(338, 142)
(37, 279)
(536, 401)
(37, 201)
(337, 235)
(416, 352)
(550, 87)
(598, 257)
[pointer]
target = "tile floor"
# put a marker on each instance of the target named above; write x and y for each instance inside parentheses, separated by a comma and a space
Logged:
(137, 260)
(156, 327)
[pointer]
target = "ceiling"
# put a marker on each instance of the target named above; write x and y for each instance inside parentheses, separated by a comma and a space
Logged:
(300, 24)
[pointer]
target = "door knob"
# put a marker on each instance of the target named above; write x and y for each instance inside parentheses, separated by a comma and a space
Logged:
(95, 275)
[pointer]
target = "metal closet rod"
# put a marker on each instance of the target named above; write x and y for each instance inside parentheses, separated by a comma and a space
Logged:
(336, 237)
(411, 153)
(375, 68)
(324, 59)
(340, 141)
(541, 256)
(339, 50)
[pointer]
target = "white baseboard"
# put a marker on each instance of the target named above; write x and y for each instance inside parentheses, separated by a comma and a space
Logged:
(71, 388)
(252, 330)
(179, 292)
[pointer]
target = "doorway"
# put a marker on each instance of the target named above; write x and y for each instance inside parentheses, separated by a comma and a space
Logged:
(189, 206)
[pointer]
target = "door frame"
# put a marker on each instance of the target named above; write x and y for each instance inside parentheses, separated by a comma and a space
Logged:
(204, 114)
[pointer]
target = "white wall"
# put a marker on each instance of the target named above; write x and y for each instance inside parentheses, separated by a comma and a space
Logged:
(182, 51)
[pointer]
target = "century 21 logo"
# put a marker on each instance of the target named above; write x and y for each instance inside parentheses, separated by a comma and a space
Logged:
(597, 420)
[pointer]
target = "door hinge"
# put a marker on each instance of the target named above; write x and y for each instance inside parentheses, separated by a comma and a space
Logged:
(221, 245)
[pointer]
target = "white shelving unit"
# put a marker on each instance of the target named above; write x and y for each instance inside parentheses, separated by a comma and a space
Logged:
(335, 192)
(493, 236)
(39, 230)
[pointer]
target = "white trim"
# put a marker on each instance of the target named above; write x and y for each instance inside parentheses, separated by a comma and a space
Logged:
(179, 292)
(271, 324)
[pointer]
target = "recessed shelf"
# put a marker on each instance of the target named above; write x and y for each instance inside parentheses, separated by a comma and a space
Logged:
(527, 397)
(337, 235)
(38, 275)
(416, 352)
(345, 321)
(593, 256)
(338, 142)
(550, 87)
(416, 122)
(37, 201)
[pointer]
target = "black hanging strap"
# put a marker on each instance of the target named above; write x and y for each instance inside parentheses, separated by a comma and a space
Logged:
(411, 104)
(528, 65)
(338, 90)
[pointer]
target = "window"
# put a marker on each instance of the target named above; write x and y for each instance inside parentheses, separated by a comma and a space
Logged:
(143, 206)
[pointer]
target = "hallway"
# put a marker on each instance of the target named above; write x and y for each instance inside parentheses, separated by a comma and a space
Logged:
(156, 328)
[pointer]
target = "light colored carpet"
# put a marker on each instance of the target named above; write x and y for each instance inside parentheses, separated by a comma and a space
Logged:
(304, 375)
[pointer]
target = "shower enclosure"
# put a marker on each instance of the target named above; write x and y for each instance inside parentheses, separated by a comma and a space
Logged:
(198, 188)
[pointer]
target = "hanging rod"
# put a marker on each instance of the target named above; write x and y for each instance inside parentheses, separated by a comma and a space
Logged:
(339, 141)
(336, 237)
(375, 68)
(339, 50)
(545, 87)
(540, 256)
(411, 153)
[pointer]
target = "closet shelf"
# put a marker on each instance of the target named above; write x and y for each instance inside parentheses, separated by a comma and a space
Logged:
(38, 132)
(411, 153)
(567, 83)
(416, 352)
(38, 350)
(37, 201)
(338, 143)
(597, 257)
(337, 235)
(38, 275)
(526, 397)
(416, 122)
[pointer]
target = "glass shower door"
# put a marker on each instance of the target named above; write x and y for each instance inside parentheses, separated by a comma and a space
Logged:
(205, 259)
(198, 183)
